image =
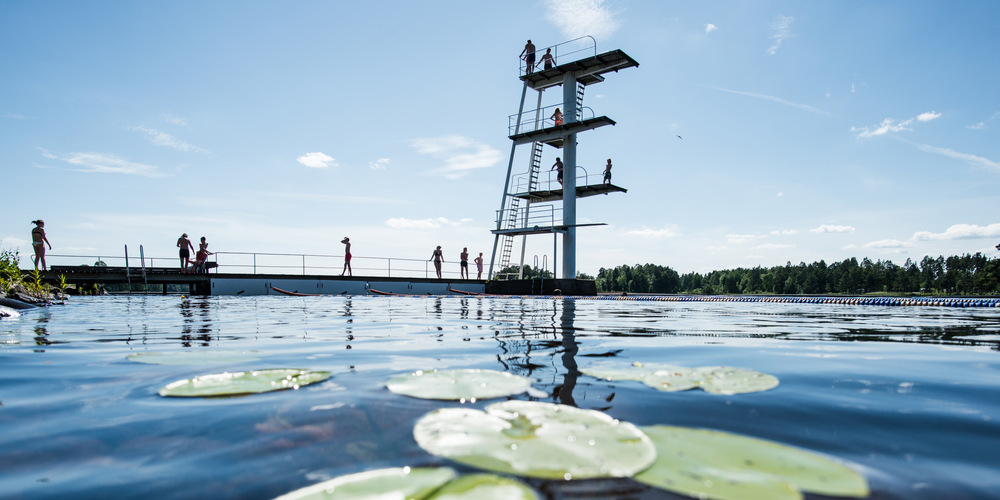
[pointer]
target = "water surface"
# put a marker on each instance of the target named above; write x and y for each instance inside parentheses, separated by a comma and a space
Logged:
(909, 396)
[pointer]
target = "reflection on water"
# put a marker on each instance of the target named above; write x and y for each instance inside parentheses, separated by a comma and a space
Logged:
(905, 394)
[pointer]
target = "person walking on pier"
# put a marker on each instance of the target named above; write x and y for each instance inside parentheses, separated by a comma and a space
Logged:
(185, 253)
(528, 54)
(438, 258)
(558, 167)
(479, 266)
(463, 264)
(347, 257)
(38, 242)
(607, 172)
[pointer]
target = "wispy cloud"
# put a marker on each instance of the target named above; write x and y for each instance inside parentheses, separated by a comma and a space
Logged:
(981, 125)
(460, 155)
(433, 223)
(781, 30)
(710, 28)
(960, 232)
(887, 244)
(317, 160)
(740, 239)
(832, 228)
(104, 163)
(161, 138)
(15, 116)
(784, 232)
(951, 153)
(175, 120)
(891, 126)
(379, 164)
(772, 98)
(774, 246)
(668, 231)
(576, 18)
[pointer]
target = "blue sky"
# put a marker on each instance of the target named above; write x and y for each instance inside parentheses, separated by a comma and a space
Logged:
(808, 130)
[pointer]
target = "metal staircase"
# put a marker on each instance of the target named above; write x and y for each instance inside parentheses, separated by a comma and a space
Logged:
(510, 222)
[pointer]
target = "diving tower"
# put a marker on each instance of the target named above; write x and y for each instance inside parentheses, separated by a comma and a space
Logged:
(531, 205)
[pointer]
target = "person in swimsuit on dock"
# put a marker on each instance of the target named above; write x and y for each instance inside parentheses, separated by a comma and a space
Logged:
(607, 172)
(38, 242)
(558, 167)
(185, 253)
(479, 266)
(347, 257)
(201, 257)
(528, 54)
(547, 60)
(438, 258)
(463, 263)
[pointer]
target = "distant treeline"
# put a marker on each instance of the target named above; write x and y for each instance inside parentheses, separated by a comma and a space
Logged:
(960, 275)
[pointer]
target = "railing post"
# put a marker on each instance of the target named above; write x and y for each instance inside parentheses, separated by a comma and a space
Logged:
(303, 264)
(255, 263)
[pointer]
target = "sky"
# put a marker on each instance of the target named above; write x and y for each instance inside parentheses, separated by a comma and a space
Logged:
(752, 133)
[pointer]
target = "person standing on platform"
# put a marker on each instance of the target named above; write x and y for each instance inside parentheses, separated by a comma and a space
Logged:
(38, 242)
(438, 258)
(528, 54)
(557, 117)
(558, 167)
(607, 172)
(463, 264)
(347, 257)
(479, 266)
(547, 60)
(185, 253)
(201, 258)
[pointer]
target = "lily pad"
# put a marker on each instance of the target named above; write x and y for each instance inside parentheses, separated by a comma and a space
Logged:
(485, 487)
(417, 483)
(192, 357)
(459, 385)
(669, 378)
(722, 466)
(242, 383)
(535, 439)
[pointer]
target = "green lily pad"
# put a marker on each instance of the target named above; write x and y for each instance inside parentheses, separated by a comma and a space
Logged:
(729, 380)
(242, 383)
(669, 378)
(192, 357)
(485, 487)
(417, 483)
(459, 385)
(535, 439)
(721, 466)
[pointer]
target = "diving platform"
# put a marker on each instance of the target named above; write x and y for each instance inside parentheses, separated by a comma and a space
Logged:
(588, 70)
(560, 228)
(556, 135)
(540, 196)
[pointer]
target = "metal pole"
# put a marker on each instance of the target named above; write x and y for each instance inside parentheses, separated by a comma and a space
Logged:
(128, 275)
(506, 182)
(569, 179)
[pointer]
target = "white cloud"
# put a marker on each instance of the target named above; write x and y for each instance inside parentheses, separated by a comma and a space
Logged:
(160, 138)
(774, 246)
(778, 100)
(784, 232)
(950, 153)
(740, 239)
(976, 126)
(710, 28)
(576, 18)
(434, 223)
(460, 154)
(176, 120)
(668, 231)
(781, 30)
(831, 228)
(928, 116)
(960, 232)
(890, 125)
(15, 116)
(887, 244)
(379, 164)
(105, 164)
(317, 160)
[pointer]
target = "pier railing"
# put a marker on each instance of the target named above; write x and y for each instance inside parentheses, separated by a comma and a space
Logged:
(529, 123)
(548, 179)
(568, 51)
(536, 215)
(278, 263)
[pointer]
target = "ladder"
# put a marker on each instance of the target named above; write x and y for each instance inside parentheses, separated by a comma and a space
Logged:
(510, 222)
(579, 100)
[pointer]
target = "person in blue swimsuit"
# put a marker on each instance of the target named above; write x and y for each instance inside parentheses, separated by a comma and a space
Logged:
(528, 54)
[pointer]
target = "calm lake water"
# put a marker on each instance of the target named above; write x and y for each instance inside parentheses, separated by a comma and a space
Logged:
(909, 396)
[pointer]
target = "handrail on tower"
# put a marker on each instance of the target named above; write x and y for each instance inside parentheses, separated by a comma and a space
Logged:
(578, 45)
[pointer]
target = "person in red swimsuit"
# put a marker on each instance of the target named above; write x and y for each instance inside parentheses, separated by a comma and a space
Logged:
(347, 257)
